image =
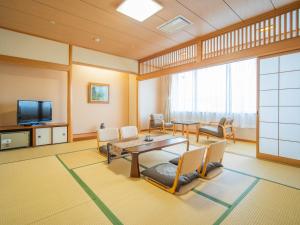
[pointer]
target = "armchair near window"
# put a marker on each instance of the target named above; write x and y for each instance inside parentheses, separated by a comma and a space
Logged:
(224, 129)
(157, 121)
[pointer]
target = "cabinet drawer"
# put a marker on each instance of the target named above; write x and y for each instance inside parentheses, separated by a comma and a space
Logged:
(60, 135)
(43, 136)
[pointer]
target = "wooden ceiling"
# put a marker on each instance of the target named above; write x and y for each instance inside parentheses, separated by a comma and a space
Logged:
(78, 22)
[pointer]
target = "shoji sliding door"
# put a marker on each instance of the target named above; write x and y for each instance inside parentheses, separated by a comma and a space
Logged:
(279, 108)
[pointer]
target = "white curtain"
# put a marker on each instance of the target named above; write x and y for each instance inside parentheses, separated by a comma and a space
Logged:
(208, 94)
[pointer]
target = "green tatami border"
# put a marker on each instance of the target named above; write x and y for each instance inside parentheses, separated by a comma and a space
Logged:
(100, 204)
(212, 198)
(236, 202)
(246, 174)
(45, 156)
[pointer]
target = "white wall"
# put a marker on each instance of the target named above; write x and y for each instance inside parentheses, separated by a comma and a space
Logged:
(149, 100)
(100, 59)
(31, 47)
(88, 116)
(25, 83)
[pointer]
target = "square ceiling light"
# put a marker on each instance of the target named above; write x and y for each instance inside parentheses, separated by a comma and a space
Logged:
(139, 9)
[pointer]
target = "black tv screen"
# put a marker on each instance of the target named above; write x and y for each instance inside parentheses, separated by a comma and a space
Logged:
(45, 111)
(28, 112)
(33, 112)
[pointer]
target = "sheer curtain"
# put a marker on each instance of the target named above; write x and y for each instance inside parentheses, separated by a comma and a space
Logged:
(211, 93)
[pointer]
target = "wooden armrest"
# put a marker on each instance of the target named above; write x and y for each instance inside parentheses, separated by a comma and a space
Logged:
(209, 124)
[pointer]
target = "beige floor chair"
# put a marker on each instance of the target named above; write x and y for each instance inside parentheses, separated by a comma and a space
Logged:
(106, 135)
(213, 160)
(177, 179)
(129, 132)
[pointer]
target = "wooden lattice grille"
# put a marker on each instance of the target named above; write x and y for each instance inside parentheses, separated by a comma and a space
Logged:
(265, 32)
(175, 58)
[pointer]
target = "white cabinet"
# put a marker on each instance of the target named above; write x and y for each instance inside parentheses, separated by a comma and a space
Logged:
(60, 135)
(43, 136)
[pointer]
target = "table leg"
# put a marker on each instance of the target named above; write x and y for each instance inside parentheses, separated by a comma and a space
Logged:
(187, 145)
(135, 167)
(187, 132)
(182, 132)
(174, 129)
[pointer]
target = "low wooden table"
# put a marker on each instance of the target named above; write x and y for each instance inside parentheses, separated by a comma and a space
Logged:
(185, 127)
(135, 151)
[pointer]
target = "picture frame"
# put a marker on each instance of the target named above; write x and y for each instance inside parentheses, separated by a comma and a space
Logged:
(98, 93)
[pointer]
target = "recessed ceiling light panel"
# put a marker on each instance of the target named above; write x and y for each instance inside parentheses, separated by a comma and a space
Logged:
(139, 9)
(175, 24)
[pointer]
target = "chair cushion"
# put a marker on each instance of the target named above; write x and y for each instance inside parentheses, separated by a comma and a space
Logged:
(157, 116)
(211, 166)
(168, 124)
(165, 174)
(103, 150)
(212, 131)
(174, 161)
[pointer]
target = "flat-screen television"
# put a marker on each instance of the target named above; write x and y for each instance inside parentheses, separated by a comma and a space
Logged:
(33, 112)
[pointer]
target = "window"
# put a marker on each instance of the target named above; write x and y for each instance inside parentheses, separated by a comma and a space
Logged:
(213, 92)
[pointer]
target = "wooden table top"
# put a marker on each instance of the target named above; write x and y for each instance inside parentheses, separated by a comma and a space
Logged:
(156, 145)
(188, 122)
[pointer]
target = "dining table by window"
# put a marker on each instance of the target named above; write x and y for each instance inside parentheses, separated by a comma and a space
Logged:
(185, 127)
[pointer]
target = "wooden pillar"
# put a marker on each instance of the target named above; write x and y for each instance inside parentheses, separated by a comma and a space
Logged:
(137, 104)
(69, 97)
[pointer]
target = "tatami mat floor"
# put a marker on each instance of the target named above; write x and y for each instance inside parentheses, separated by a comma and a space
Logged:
(73, 184)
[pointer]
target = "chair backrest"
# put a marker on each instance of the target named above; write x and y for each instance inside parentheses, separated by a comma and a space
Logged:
(108, 134)
(191, 160)
(221, 124)
(215, 152)
(229, 125)
(156, 119)
(128, 132)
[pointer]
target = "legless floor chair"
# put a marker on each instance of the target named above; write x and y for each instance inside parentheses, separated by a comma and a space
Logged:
(106, 136)
(177, 179)
(129, 132)
(212, 166)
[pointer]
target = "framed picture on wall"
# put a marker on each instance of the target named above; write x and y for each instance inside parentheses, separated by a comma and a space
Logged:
(98, 93)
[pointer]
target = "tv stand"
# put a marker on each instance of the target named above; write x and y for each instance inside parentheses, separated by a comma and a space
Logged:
(40, 134)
